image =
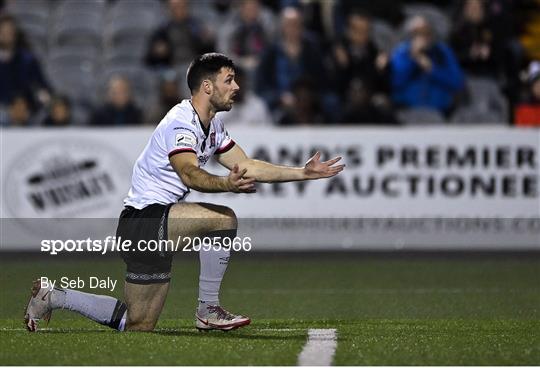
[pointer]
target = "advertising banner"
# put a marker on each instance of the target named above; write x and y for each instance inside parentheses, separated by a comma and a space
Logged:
(417, 188)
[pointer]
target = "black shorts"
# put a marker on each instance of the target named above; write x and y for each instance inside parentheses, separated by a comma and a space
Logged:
(149, 223)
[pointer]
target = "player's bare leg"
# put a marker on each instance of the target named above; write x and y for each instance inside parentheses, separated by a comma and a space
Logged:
(103, 309)
(144, 305)
(211, 221)
(198, 219)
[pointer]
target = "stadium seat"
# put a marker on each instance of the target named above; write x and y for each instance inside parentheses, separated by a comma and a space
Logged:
(124, 54)
(26, 19)
(152, 9)
(483, 88)
(181, 71)
(486, 103)
(420, 116)
(80, 87)
(34, 21)
(36, 7)
(122, 5)
(384, 35)
(36, 33)
(143, 83)
(78, 81)
(472, 115)
(132, 28)
(438, 19)
(70, 56)
(204, 11)
(78, 28)
(39, 49)
(77, 50)
(87, 6)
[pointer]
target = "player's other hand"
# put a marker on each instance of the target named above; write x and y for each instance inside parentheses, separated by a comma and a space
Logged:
(315, 169)
(239, 184)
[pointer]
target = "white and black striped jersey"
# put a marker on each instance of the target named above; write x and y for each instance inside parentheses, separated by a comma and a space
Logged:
(154, 180)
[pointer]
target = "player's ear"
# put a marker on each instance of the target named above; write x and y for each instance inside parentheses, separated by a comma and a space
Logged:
(207, 87)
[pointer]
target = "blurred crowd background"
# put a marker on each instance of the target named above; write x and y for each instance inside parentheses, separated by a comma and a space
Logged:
(300, 62)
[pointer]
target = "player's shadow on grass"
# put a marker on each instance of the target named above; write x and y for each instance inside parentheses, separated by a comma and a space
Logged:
(230, 335)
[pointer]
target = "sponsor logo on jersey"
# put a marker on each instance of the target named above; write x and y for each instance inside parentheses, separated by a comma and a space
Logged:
(184, 140)
(184, 128)
(212, 139)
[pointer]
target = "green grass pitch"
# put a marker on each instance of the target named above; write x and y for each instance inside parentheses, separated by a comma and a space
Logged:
(467, 310)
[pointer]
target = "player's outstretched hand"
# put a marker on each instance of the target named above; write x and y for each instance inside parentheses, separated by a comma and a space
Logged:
(315, 169)
(239, 184)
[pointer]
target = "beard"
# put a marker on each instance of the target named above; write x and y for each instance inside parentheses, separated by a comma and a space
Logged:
(220, 104)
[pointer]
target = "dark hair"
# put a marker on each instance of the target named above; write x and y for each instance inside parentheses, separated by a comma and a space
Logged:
(239, 73)
(357, 12)
(20, 96)
(206, 66)
(20, 37)
(62, 99)
(6, 18)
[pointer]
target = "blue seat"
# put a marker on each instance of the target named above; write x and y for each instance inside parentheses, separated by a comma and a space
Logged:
(420, 116)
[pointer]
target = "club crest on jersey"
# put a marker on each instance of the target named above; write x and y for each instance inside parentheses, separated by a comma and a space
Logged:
(203, 159)
(212, 139)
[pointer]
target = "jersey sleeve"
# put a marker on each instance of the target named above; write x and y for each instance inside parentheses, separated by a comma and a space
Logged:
(225, 143)
(180, 137)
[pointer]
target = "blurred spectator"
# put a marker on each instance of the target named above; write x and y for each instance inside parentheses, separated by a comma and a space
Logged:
(249, 109)
(473, 40)
(119, 109)
(294, 56)
(491, 23)
(364, 108)
(18, 112)
(246, 33)
(528, 18)
(307, 109)
(527, 113)
(180, 40)
(169, 96)
(357, 57)
(59, 113)
(222, 7)
(20, 71)
(318, 16)
(425, 72)
(390, 11)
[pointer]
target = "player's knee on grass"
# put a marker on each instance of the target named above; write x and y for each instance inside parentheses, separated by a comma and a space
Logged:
(141, 320)
(144, 305)
(141, 325)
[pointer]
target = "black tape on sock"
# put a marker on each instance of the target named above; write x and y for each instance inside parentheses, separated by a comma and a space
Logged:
(229, 233)
(218, 237)
(119, 311)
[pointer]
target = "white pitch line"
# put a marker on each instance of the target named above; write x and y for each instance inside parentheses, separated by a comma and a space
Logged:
(383, 291)
(280, 329)
(9, 329)
(21, 329)
(374, 291)
(320, 347)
